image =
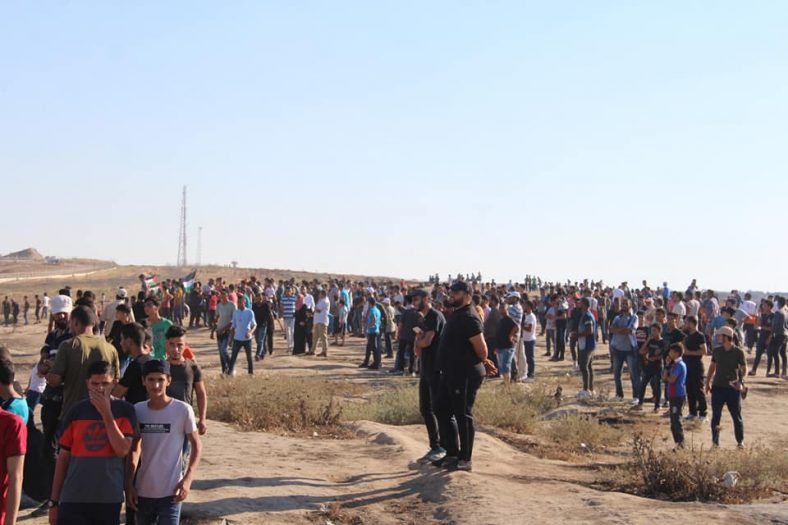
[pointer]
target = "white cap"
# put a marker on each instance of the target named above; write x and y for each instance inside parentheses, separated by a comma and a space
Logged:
(122, 293)
(513, 295)
(61, 304)
(386, 301)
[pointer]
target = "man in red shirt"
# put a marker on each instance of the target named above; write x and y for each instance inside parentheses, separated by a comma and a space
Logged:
(13, 445)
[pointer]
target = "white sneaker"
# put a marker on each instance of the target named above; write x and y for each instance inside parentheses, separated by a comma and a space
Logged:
(528, 380)
(618, 398)
(635, 402)
(583, 394)
(575, 366)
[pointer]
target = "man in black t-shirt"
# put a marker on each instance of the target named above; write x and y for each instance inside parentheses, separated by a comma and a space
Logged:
(652, 351)
(461, 358)
(132, 340)
(430, 323)
(694, 350)
(406, 337)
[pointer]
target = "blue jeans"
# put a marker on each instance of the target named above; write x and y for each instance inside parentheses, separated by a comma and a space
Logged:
(631, 358)
(224, 358)
(261, 338)
(505, 356)
(247, 346)
(726, 396)
(161, 511)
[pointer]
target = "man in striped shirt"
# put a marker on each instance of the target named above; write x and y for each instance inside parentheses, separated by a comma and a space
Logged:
(287, 306)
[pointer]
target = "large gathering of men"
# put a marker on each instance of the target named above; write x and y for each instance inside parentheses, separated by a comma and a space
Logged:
(122, 401)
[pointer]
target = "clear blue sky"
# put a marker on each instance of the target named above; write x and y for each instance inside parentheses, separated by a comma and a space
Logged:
(621, 140)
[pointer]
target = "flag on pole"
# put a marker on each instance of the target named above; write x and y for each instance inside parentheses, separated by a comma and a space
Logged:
(188, 281)
(151, 282)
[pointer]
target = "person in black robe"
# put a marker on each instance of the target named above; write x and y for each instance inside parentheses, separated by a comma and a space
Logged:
(300, 332)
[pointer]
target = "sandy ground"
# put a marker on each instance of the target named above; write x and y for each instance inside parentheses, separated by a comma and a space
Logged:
(255, 477)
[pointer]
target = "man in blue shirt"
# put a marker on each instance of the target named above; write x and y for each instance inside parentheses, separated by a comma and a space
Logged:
(677, 392)
(243, 326)
(586, 344)
(373, 333)
(623, 346)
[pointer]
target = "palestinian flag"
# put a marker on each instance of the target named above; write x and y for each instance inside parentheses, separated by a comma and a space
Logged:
(188, 281)
(152, 282)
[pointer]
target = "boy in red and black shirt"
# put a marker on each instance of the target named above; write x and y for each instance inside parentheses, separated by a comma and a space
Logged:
(95, 437)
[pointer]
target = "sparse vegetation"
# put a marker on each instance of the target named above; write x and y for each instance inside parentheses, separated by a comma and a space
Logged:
(335, 513)
(279, 403)
(699, 474)
(581, 433)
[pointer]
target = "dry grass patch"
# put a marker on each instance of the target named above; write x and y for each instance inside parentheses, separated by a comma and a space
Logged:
(278, 403)
(700, 474)
(510, 408)
(580, 433)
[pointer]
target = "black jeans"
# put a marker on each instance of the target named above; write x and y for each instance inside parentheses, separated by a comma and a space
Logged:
(456, 396)
(777, 352)
(696, 397)
(373, 350)
(404, 360)
(676, 429)
(529, 347)
(389, 348)
(550, 340)
(648, 378)
(428, 395)
(584, 359)
(721, 396)
(760, 349)
(560, 342)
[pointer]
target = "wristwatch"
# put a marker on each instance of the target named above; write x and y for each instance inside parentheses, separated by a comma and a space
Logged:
(51, 504)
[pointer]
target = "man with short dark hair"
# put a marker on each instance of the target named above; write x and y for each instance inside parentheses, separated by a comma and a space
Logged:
(373, 327)
(158, 326)
(75, 356)
(156, 484)
(695, 349)
(428, 327)
(186, 376)
(95, 438)
(243, 327)
(461, 359)
(130, 387)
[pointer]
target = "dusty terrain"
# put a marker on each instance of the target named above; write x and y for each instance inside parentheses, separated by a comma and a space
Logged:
(256, 477)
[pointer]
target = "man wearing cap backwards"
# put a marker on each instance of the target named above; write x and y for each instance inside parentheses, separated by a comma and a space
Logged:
(461, 360)
(156, 484)
(108, 312)
(725, 381)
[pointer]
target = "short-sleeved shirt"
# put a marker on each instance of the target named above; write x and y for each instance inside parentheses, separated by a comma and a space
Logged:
(18, 406)
(159, 334)
(658, 349)
(162, 433)
(588, 342)
(728, 363)
(409, 320)
(73, 359)
(184, 376)
(243, 321)
(456, 357)
(132, 380)
(433, 322)
(288, 306)
(624, 342)
(95, 473)
(505, 327)
(693, 342)
(225, 311)
(678, 389)
(373, 321)
(530, 320)
(13, 442)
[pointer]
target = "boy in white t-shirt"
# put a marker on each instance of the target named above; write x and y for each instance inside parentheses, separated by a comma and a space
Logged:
(36, 385)
(160, 486)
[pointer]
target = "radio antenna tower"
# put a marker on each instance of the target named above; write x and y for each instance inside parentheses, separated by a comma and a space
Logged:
(199, 245)
(182, 233)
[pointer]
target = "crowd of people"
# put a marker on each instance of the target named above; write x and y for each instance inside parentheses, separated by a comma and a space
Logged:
(124, 366)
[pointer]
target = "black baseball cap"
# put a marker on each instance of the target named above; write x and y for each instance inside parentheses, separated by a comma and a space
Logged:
(156, 366)
(419, 293)
(460, 286)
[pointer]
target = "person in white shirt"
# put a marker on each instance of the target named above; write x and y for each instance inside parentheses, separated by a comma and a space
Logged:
(320, 324)
(309, 301)
(528, 334)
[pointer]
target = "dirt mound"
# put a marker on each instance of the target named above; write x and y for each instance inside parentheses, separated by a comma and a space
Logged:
(28, 254)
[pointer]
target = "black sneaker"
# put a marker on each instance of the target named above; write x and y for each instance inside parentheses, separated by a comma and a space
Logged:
(445, 462)
(461, 464)
(374, 367)
(364, 365)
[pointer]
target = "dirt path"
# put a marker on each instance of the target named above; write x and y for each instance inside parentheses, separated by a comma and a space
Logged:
(255, 477)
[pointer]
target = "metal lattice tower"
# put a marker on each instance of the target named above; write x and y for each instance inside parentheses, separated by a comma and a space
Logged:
(199, 245)
(182, 233)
